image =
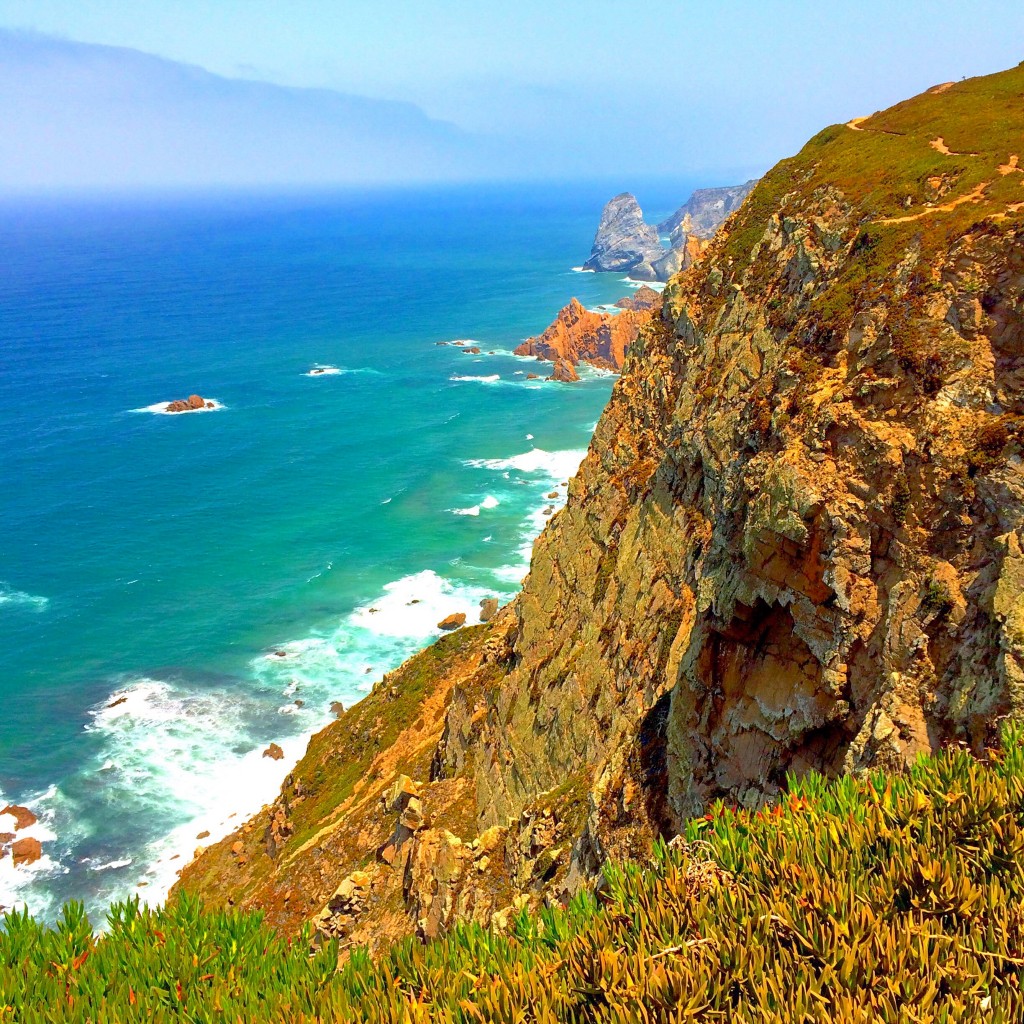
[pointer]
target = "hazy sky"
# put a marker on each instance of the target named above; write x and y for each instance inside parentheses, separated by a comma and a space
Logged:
(723, 87)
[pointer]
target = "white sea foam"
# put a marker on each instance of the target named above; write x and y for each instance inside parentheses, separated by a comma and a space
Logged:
(553, 465)
(489, 379)
(657, 286)
(583, 270)
(14, 881)
(112, 865)
(160, 408)
(322, 370)
(474, 510)
(11, 598)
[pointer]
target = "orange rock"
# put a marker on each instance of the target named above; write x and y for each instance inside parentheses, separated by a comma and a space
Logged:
(26, 851)
(274, 752)
(452, 621)
(23, 817)
(580, 336)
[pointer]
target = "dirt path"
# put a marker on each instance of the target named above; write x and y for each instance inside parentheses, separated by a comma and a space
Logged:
(974, 196)
(1010, 167)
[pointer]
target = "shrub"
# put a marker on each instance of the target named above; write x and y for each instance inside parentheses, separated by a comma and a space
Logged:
(870, 898)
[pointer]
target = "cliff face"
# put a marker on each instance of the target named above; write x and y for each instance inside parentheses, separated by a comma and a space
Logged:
(706, 209)
(795, 542)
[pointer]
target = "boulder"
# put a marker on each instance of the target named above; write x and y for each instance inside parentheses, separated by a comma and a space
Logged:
(452, 621)
(337, 708)
(564, 371)
(274, 752)
(642, 298)
(488, 608)
(26, 851)
(23, 817)
(533, 376)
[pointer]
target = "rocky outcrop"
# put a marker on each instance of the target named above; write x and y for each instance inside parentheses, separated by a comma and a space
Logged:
(581, 336)
(26, 851)
(705, 211)
(686, 249)
(23, 817)
(623, 240)
(564, 371)
(796, 542)
(488, 609)
(194, 403)
(452, 621)
(642, 298)
(274, 752)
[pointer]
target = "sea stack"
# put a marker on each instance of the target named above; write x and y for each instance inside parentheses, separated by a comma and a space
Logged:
(623, 240)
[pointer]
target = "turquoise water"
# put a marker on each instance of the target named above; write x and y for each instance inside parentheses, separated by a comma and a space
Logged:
(214, 569)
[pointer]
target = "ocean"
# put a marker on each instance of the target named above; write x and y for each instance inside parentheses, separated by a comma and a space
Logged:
(179, 591)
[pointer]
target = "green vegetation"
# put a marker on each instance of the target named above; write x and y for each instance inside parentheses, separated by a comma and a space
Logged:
(875, 898)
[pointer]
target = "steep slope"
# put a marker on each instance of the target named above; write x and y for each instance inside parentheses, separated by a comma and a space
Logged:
(795, 543)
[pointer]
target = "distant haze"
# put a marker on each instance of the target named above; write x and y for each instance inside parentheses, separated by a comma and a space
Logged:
(254, 92)
(82, 115)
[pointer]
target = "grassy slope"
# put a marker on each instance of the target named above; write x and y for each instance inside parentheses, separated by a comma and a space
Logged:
(871, 899)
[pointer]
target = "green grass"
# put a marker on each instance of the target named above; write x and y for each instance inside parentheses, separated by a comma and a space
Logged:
(878, 898)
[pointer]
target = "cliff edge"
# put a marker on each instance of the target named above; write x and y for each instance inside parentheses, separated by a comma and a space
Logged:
(795, 543)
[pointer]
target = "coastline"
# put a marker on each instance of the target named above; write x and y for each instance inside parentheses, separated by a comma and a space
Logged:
(404, 615)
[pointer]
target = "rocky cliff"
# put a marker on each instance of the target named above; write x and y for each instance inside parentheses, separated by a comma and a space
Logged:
(795, 542)
(623, 240)
(579, 335)
(705, 211)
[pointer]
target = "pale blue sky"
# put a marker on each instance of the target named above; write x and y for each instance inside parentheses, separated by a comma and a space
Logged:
(696, 85)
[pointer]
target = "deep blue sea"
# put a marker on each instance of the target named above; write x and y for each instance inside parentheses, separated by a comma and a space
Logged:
(177, 591)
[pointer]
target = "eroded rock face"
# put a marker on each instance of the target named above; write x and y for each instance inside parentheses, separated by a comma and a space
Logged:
(581, 336)
(564, 371)
(705, 211)
(795, 543)
(623, 239)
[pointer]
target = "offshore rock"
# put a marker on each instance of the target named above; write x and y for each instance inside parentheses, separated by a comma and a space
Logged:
(623, 240)
(581, 336)
(642, 298)
(23, 817)
(564, 371)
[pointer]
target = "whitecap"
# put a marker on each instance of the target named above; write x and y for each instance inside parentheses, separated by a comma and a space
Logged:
(556, 465)
(489, 379)
(112, 865)
(19, 599)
